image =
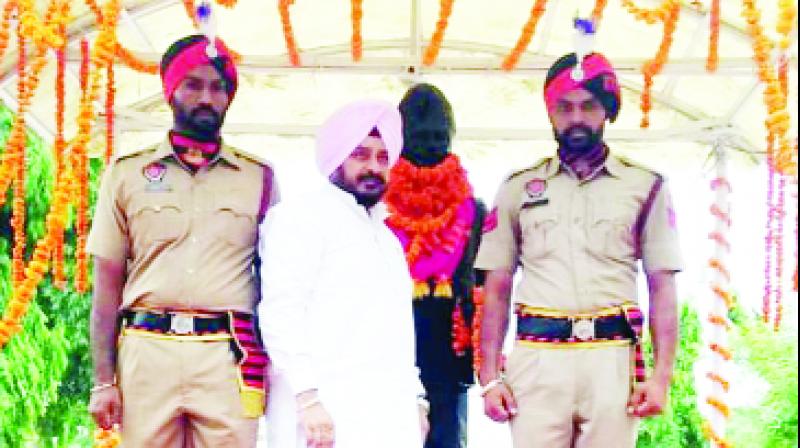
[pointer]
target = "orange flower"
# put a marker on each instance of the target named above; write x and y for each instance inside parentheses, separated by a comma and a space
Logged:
(511, 60)
(432, 51)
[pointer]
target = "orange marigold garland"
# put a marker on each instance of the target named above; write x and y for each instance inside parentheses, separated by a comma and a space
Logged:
(597, 12)
(654, 66)
(59, 145)
(188, 5)
(110, 92)
(777, 121)
(432, 51)
(106, 438)
(780, 217)
(132, 61)
(651, 16)
(712, 62)
(288, 34)
(356, 42)
(5, 24)
(18, 209)
(423, 201)
(511, 60)
(227, 3)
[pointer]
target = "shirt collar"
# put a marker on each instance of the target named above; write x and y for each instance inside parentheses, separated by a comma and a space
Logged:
(225, 155)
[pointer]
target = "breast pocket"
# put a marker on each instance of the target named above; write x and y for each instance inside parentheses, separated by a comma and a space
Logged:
(235, 218)
(157, 217)
(539, 226)
(611, 232)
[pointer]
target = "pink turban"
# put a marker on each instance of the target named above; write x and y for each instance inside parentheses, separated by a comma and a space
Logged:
(190, 52)
(348, 126)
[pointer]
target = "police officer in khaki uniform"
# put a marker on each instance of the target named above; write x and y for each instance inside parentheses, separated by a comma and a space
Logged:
(577, 224)
(177, 361)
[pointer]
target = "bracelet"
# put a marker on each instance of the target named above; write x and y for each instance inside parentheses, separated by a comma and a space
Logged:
(312, 402)
(103, 386)
(491, 385)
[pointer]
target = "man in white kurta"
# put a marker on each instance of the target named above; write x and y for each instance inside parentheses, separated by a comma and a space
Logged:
(335, 313)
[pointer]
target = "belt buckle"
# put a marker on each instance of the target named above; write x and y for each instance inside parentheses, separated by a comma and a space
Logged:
(181, 324)
(583, 329)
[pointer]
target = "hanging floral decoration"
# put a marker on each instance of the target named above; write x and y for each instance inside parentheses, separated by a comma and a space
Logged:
(597, 12)
(288, 34)
(426, 209)
(133, 62)
(18, 209)
(432, 50)
(777, 122)
(59, 147)
(110, 93)
(780, 215)
(356, 42)
(712, 61)
(106, 438)
(511, 60)
(5, 24)
(188, 5)
(227, 3)
(668, 13)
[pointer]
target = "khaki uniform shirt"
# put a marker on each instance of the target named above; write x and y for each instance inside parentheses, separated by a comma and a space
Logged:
(575, 239)
(188, 240)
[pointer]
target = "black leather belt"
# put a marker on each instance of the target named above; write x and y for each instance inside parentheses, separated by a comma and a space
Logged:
(559, 329)
(175, 323)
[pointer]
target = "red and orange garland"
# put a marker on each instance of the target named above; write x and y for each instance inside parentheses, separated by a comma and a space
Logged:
(423, 202)
(712, 61)
(133, 62)
(511, 60)
(356, 42)
(188, 5)
(432, 51)
(5, 24)
(288, 34)
(227, 3)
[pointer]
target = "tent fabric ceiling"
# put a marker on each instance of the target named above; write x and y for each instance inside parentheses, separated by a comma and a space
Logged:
(490, 104)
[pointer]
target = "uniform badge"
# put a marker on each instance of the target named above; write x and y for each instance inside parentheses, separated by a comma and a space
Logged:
(535, 188)
(154, 173)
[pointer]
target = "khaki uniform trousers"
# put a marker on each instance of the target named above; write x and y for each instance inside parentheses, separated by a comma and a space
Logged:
(181, 393)
(571, 397)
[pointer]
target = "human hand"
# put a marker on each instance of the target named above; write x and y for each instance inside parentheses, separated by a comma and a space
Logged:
(648, 399)
(424, 423)
(105, 406)
(499, 403)
(315, 420)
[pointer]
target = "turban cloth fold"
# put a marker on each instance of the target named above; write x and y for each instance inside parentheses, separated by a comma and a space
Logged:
(598, 78)
(350, 125)
(190, 52)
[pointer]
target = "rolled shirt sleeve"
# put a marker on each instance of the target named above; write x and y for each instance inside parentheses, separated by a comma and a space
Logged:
(660, 244)
(108, 237)
(500, 242)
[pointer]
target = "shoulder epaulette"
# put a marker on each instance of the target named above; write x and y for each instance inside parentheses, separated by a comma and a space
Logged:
(248, 156)
(132, 154)
(535, 166)
(633, 164)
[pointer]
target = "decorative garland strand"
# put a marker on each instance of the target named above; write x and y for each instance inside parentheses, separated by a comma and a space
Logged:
(780, 215)
(654, 66)
(766, 306)
(110, 93)
(59, 146)
(18, 208)
(357, 44)
(5, 24)
(432, 51)
(512, 59)
(712, 62)
(288, 34)
(597, 12)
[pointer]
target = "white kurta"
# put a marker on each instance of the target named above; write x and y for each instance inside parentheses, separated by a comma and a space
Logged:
(336, 316)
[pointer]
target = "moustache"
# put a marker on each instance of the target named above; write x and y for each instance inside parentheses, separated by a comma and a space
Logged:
(199, 109)
(371, 177)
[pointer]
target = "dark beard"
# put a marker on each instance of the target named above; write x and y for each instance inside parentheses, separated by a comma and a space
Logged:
(202, 123)
(363, 199)
(579, 139)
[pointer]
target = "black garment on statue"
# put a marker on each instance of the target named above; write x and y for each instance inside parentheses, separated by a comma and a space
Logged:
(448, 416)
